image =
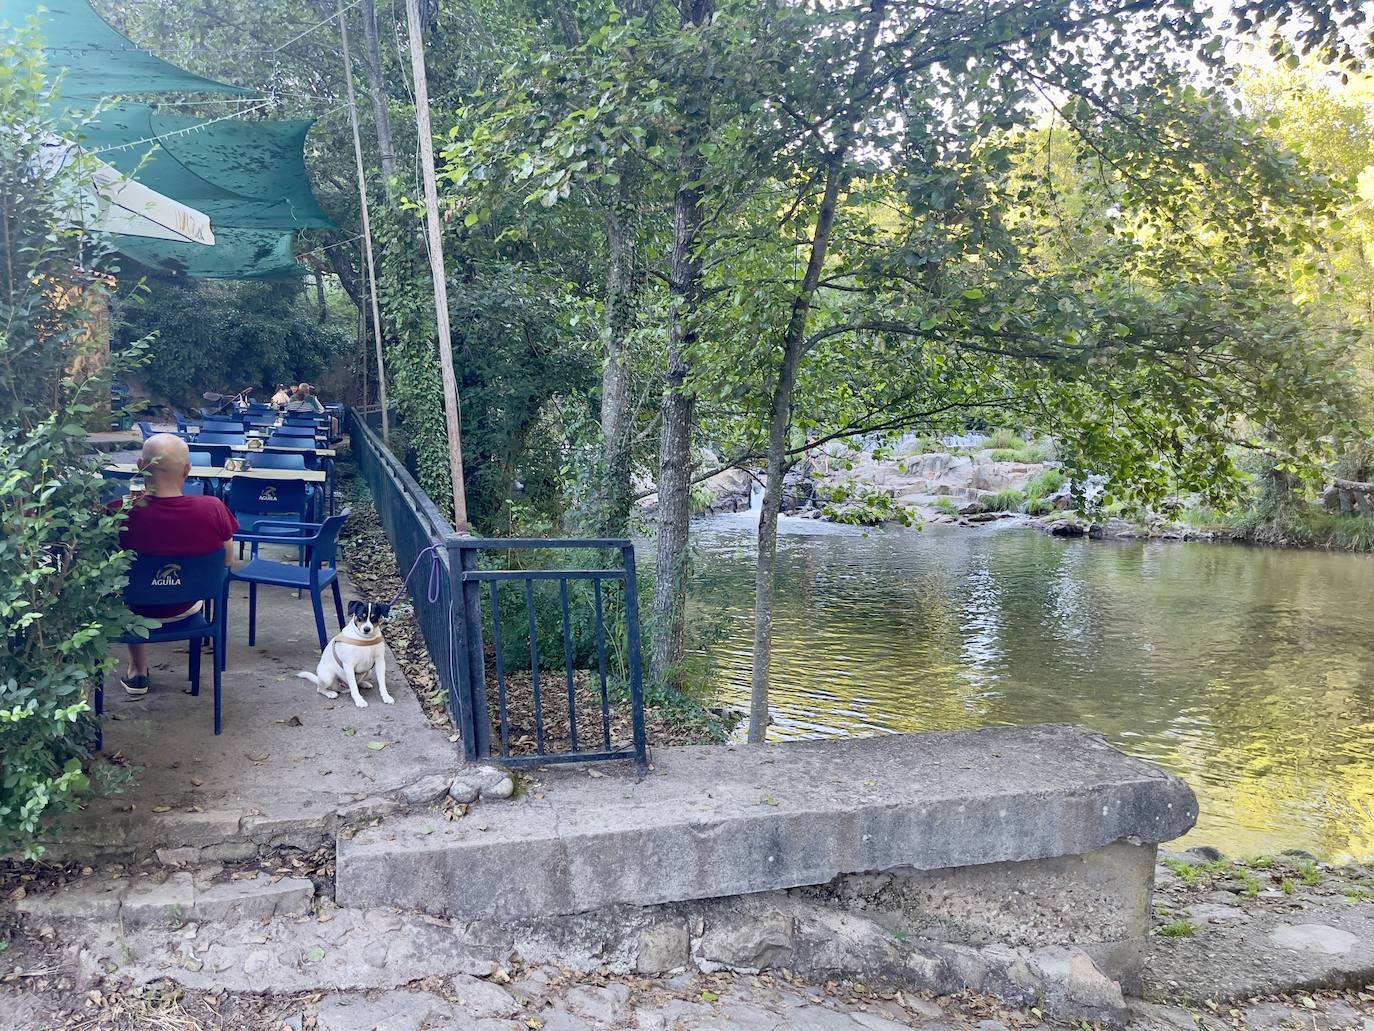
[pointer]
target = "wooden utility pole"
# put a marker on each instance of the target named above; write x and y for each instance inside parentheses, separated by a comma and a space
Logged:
(436, 266)
(367, 234)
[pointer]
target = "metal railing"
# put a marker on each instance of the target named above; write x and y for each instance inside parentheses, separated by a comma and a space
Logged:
(450, 610)
(414, 524)
(465, 558)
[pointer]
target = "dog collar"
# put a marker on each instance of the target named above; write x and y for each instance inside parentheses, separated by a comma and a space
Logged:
(341, 639)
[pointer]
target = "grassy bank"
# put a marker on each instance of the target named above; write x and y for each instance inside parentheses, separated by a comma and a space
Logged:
(1301, 526)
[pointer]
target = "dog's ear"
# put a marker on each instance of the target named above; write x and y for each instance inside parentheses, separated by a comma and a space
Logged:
(356, 609)
(382, 609)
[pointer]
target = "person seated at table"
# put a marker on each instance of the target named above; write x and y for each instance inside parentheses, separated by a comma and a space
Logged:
(165, 521)
(305, 400)
(283, 395)
(308, 400)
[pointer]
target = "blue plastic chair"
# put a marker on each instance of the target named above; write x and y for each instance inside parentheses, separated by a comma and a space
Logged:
(315, 574)
(182, 580)
(180, 420)
(145, 428)
(254, 501)
(277, 460)
(221, 426)
(196, 486)
(219, 446)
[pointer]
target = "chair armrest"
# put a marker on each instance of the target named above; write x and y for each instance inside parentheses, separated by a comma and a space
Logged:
(276, 526)
(273, 538)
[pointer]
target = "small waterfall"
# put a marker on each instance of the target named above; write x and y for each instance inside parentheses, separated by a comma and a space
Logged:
(756, 499)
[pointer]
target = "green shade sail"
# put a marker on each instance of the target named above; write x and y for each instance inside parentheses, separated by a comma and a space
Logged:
(243, 174)
(97, 59)
(247, 176)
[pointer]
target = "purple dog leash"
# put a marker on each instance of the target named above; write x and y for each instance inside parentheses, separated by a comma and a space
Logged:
(432, 590)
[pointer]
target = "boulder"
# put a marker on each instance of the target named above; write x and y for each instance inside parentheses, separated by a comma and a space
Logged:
(1349, 497)
(999, 476)
(731, 491)
(799, 489)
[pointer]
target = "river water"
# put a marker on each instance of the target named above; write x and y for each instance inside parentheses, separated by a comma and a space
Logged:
(1249, 672)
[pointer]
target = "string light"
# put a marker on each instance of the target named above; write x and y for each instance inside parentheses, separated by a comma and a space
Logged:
(182, 132)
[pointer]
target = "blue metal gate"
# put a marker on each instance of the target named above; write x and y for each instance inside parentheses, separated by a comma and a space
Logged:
(452, 611)
(589, 734)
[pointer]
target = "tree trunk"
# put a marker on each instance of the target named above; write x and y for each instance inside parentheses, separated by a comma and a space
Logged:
(319, 298)
(340, 257)
(679, 405)
(779, 424)
(376, 88)
(780, 410)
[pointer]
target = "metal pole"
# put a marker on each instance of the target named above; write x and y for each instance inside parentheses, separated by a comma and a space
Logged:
(436, 265)
(367, 230)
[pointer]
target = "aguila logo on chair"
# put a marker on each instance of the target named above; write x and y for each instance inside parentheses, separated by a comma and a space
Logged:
(168, 576)
(268, 494)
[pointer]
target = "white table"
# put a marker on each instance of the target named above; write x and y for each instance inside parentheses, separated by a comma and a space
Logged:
(218, 472)
(281, 449)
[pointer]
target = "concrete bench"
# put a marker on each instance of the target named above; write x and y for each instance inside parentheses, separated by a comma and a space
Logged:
(1014, 836)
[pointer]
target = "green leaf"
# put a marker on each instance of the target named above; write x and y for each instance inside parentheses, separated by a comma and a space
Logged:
(376, 746)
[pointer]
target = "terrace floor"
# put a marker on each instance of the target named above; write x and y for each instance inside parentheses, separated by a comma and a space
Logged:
(289, 765)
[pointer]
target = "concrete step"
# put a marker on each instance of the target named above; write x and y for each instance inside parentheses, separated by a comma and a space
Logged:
(172, 901)
(711, 822)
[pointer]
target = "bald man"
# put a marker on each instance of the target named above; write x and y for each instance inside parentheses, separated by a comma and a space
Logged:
(165, 521)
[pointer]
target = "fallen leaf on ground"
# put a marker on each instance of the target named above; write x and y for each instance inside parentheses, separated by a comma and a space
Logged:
(350, 731)
(314, 955)
(376, 746)
(162, 809)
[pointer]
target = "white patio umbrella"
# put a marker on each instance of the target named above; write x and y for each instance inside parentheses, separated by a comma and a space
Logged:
(116, 203)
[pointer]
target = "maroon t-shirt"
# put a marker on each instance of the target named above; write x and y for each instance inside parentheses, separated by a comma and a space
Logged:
(176, 526)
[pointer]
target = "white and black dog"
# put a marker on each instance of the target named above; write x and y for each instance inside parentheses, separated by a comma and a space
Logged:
(355, 651)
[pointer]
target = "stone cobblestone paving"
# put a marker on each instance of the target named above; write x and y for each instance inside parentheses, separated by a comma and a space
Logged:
(61, 980)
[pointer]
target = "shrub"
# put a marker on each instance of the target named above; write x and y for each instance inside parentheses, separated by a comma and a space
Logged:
(947, 506)
(1179, 928)
(1044, 484)
(1003, 501)
(1005, 440)
(61, 569)
(859, 505)
(224, 336)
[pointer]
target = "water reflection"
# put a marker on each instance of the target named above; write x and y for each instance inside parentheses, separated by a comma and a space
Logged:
(1246, 671)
